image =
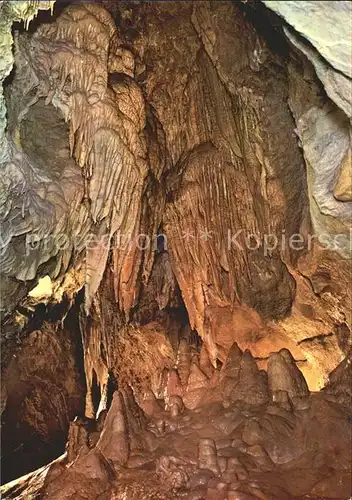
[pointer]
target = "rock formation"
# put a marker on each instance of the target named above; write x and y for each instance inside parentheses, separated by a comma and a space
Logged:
(175, 206)
(245, 448)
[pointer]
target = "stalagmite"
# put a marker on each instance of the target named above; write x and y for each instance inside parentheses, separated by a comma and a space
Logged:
(283, 375)
(114, 440)
(197, 385)
(183, 361)
(207, 458)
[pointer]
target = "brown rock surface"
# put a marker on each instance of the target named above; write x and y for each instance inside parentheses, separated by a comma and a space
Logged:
(45, 391)
(178, 177)
(200, 144)
(261, 450)
(283, 375)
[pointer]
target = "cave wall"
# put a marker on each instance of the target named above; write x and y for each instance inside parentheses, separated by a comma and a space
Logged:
(45, 389)
(11, 12)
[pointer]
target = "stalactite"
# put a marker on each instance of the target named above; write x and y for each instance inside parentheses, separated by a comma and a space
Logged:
(177, 148)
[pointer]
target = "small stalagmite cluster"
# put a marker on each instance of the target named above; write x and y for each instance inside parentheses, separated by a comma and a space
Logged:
(237, 433)
(176, 207)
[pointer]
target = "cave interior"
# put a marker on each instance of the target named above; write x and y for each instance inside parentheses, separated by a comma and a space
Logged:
(175, 290)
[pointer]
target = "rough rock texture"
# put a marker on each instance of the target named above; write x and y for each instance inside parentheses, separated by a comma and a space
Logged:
(325, 26)
(293, 447)
(283, 375)
(337, 85)
(9, 13)
(221, 173)
(210, 269)
(343, 186)
(45, 391)
(131, 354)
(77, 95)
(323, 129)
(197, 147)
(340, 381)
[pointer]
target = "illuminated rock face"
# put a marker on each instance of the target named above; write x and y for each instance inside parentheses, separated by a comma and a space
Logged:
(323, 125)
(202, 124)
(11, 12)
(67, 63)
(327, 30)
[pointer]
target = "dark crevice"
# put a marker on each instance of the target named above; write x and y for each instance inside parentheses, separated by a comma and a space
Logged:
(42, 393)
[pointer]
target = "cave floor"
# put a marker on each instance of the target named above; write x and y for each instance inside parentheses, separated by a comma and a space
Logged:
(232, 434)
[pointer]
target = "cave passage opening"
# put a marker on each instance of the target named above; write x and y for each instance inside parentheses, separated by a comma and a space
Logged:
(46, 387)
